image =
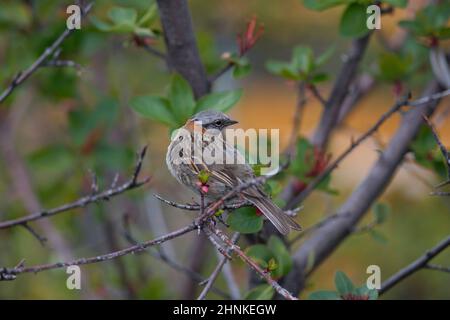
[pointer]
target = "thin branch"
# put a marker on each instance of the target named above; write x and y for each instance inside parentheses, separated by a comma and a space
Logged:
(217, 270)
(159, 254)
(328, 237)
(437, 267)
(315, 92)
(48, 52)
(340, 90)
(252, 264)
(132, 183)
(10, 273)
(35, 234)
(415, 266)
(318, 179)
(444, 152)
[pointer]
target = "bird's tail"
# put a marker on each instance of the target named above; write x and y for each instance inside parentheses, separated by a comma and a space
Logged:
(276, 216)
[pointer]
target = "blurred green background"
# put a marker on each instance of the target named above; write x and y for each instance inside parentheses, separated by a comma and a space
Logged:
(68, 122)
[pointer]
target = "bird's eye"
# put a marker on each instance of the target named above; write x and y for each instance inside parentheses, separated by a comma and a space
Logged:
(218, 122)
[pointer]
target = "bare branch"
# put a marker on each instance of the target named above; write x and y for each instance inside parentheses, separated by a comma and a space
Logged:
(217, 270)
(252, 264)
(421, 262)
(339, 92)
(326, 238)
(437, 267)
(444, 152)
(11, 273)
(48, 52)
(132, 183)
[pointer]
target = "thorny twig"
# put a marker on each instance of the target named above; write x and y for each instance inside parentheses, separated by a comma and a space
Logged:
(252, 264)
(217, 270)
(132, 183)
(40, 61)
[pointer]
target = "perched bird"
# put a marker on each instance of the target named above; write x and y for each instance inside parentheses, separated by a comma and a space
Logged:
(186, 166)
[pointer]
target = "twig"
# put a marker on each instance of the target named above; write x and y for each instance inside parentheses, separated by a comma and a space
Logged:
(232, 206)
(40, 238)
(418, 264)
(444, 152)
(10, 273)
(327, 238)
(437, 267)
(317, 94)
(24, 75)
(216, 271)
(252, 264)
(318, 179)
(132, 183)
(159, 254)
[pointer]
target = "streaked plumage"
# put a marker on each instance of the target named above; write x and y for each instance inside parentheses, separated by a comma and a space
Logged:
(222, 177)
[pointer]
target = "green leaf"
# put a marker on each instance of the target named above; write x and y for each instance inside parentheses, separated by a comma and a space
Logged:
(303, 59)
(393, 67)
(220, 101)
(181, 98)
(381, 212)
(260, 253)
(353, 21)
(377, 236)
(155, 108)
(282, 69)
(240, 71)
(364, 292)
(320, 5)
(281, 254)
(397, 3)
(150, 16)
(325, 56)
(324, 295)
(343, 284)
(123, 16)
(261, 292)
(319, 77)
(245, 220)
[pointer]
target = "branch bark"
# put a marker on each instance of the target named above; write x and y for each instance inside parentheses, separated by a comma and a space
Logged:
(415, 266)
(326, 238)
(182, 51)
(339, 92)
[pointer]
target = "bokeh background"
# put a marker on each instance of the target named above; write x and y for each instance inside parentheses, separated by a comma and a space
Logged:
(65, 123)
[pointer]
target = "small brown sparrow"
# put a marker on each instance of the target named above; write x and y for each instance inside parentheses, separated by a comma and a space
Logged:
(186, 166)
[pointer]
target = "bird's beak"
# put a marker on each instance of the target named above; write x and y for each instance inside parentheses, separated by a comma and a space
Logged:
(230, 122)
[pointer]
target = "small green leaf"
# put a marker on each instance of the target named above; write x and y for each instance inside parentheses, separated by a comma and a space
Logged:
(325, 56)
(282, 69)
(240, 71)
(245, 220)
(319, 77)
(320, 5)
(397, 3)
(150, 16)
(381, 212)
(377, 236)
(155, 108)
(203, 176)
(353, 21)
(281, 254)
(181, 98)
(260, 253)
(220, 101)
(272, 265)
(303, 59)
(343, 284)
(261, 292)
(324, 295)
(119, 15)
